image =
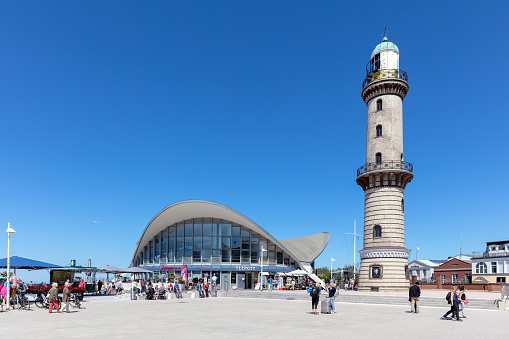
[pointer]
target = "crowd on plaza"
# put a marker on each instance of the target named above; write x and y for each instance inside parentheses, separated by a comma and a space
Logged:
(154, 291)
(457, 298)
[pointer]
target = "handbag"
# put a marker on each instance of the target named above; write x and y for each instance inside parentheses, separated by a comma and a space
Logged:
(465, 301)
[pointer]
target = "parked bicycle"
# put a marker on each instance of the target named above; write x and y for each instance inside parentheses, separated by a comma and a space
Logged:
(75, 300)
(22, 302)
(42, 300)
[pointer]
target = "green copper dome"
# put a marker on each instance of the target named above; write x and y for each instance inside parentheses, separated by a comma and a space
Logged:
(385, 44)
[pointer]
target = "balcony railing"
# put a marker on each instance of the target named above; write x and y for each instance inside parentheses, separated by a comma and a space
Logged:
(498, 253)
(384, 74)
(385, 165)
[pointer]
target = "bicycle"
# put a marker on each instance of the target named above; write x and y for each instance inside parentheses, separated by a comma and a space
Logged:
(22, 301)
(75, 300)
(42, 301)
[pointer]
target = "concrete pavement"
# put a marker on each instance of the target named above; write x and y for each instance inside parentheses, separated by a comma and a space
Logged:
(109, 317)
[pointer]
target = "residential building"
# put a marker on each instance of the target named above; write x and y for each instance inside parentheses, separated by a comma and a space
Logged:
(424, 270)
(492, 266)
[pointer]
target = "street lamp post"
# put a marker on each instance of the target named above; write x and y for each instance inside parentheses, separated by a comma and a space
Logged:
(331, 260)
(261, 267)
(9, 231)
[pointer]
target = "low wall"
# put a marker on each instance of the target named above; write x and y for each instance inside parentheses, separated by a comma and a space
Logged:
(471, 287)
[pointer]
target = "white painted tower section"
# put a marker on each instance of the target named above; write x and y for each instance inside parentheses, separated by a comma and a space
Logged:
(384, 176)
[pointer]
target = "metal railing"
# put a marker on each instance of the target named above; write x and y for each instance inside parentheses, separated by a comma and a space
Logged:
(504, 292)
(385, 165)
(385, 74)
(491, 254)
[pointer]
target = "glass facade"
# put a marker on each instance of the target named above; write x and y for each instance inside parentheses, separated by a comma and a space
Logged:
(211, 241)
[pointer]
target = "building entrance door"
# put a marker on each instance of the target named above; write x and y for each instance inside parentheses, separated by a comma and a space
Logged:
(241, 281)
(225, 281)
(249, 280)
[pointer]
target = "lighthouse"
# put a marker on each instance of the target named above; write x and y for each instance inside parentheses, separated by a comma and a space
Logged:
(385, 174)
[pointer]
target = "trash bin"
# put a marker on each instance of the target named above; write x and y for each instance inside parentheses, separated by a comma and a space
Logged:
(134, 295)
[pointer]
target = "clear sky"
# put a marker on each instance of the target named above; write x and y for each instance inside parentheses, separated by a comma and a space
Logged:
(111, 111)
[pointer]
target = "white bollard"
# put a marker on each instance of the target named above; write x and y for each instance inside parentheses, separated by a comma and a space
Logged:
(193, 295)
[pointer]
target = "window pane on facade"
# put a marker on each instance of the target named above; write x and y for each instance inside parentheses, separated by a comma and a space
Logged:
(225, 243)
(216, 228)
(178, 256)
(180, 243)
(205, 255)
(196, 256)
(188, 244)
(164, 244)
(197, 227)
(157, 249)
(207, 227)
(207, 243)
(245, 243)
(226, 229)
(493, 267)
(235, 242)
(197, 243)
(180, 230)
(255, 248)
(236, 231)
(236, 256)
(216, 243)
(245, 232)
(279, 258)
(150, 252)
(171, 231)
(189, 228)
(225, 256)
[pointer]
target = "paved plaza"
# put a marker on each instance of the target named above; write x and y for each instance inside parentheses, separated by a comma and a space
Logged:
(108, 317)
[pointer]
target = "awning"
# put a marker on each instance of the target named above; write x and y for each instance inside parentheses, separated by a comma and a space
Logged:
(113, 269)
(138, 270)
(297, 272)
(21, 263)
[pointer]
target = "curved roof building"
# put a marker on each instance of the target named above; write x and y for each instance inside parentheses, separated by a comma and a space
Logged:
(210, 239)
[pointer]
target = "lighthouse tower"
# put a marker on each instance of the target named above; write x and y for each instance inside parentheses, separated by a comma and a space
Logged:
(384, 176)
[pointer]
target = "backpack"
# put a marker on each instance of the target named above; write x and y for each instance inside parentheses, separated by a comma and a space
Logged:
(448, 297)
(314, 292)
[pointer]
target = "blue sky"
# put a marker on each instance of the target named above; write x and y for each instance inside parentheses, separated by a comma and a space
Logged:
(111, 111)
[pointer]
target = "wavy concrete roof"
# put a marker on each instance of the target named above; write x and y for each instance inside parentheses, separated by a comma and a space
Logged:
(189, 209)
(308, 248)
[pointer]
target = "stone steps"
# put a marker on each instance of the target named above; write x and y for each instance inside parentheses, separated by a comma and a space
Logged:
(360, 298)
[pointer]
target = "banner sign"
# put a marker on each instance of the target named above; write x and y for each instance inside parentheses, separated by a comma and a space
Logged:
(183, 271)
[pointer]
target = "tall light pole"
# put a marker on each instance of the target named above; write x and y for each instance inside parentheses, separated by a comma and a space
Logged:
(331, 260)
(9, 231)
(261, 267)
(354, 241)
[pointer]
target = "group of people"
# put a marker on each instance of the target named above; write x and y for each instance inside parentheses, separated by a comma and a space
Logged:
(316, 290)
(17, 286)
(456, 298)
(157, 291)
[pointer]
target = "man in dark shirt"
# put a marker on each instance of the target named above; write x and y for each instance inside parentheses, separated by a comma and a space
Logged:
(413, 296)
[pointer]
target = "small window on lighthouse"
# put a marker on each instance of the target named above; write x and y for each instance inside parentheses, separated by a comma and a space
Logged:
(379, 105)
(379, 158)
(377, 231)
(379, 130)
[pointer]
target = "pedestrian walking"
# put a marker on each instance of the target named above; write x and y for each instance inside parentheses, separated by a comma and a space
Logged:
(99, 286)
(332, 295)
(413, 296)
(453, 299)
(53, 298)
(463, 300)
(66, 297)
